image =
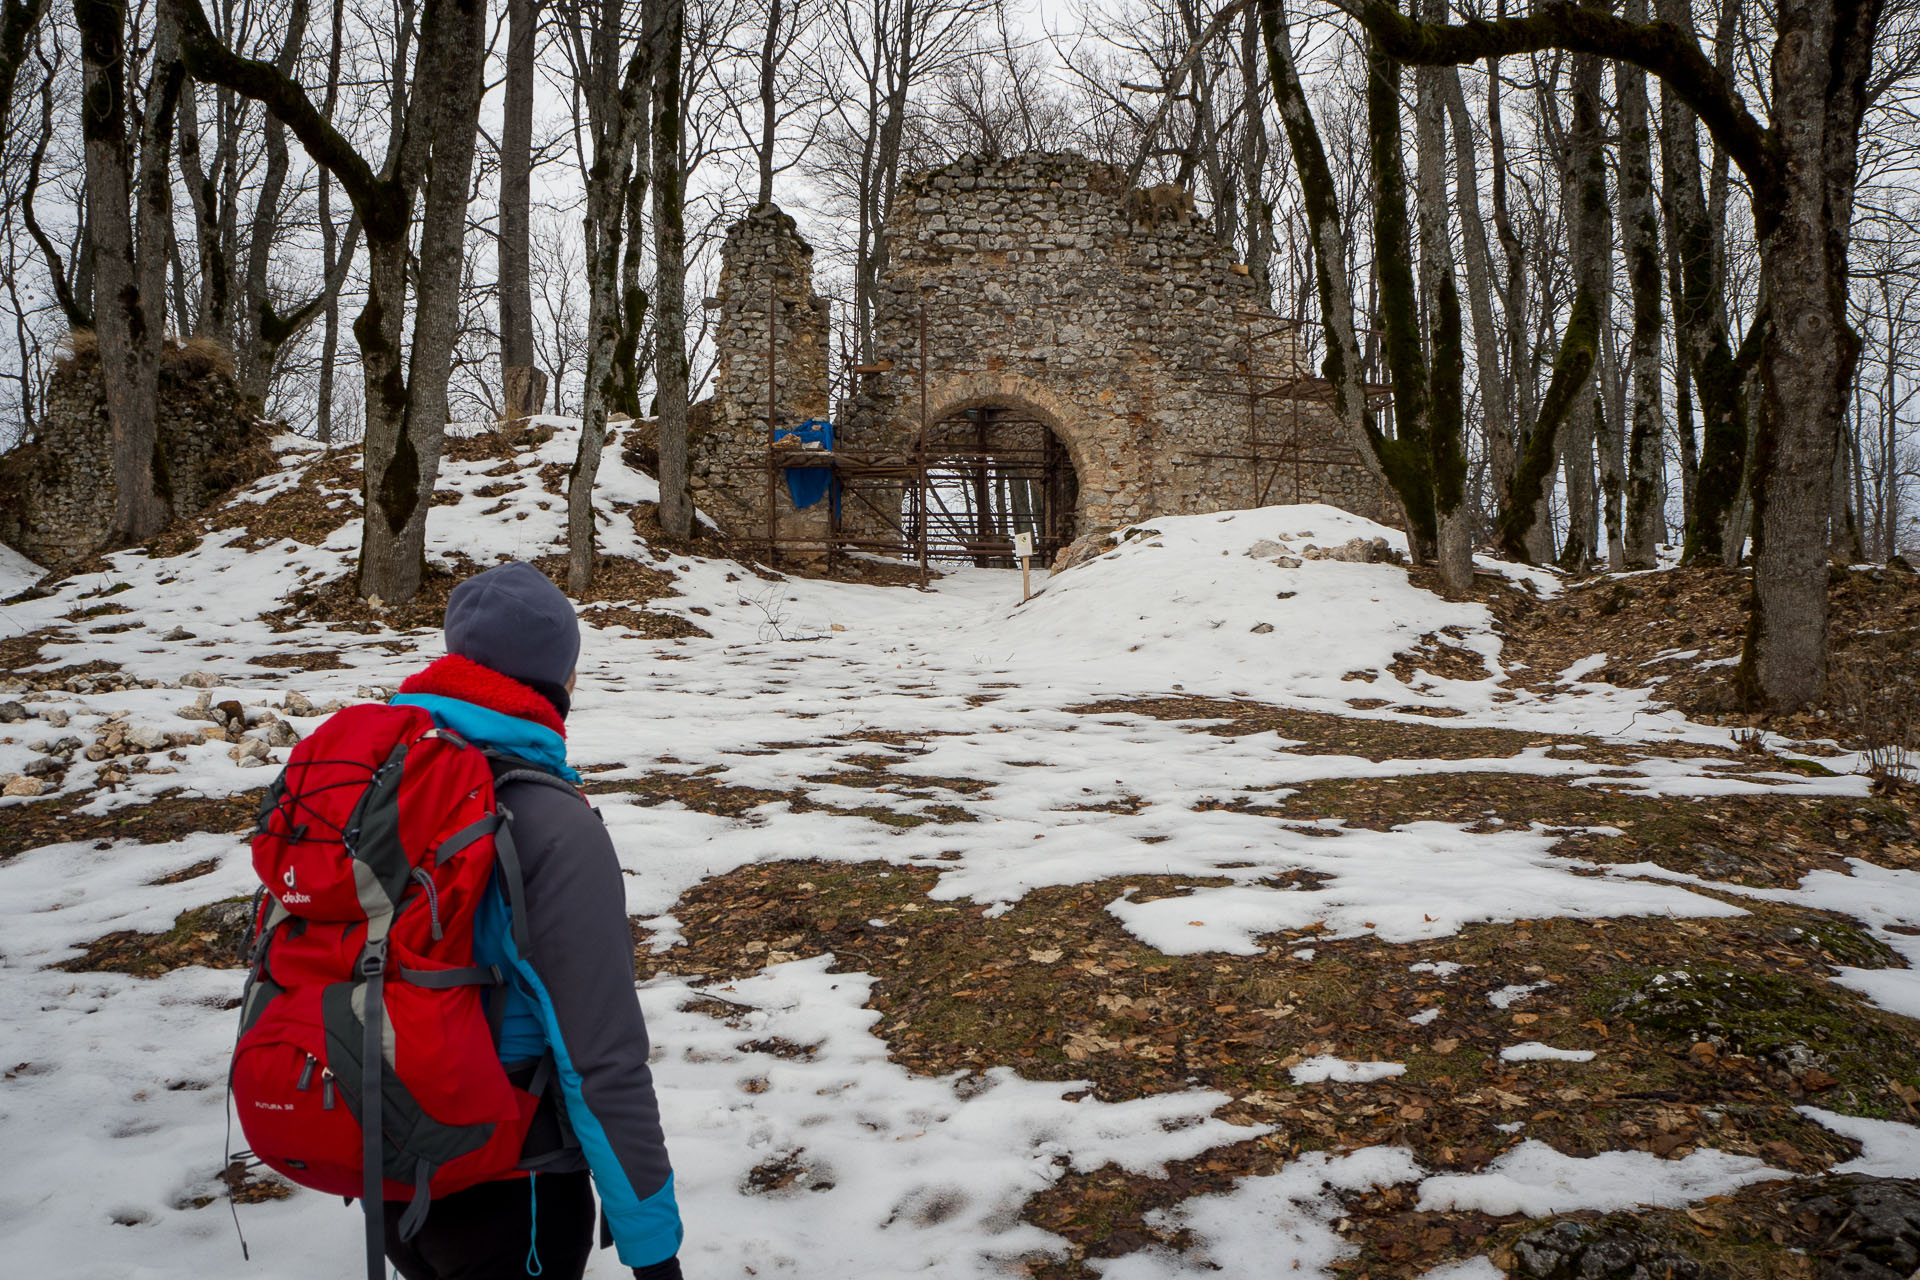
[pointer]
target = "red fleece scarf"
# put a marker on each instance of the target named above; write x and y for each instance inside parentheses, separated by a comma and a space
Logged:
(456, 677)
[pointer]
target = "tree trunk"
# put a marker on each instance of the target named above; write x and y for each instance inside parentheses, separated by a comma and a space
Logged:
(1446, 453)
(1700, 319)
(129, 278)
(1496, 408)
(1640, 236)
(1584, 179)
(617, 114)
(1407, 453)
(1253, 163)
(407, 413)
(769, 64)
(670, 271)
(1327, 243)
(516, 224)
(1533, 478)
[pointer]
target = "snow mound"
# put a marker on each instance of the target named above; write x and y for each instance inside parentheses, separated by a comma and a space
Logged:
(1237, 601)
(1536, 1180)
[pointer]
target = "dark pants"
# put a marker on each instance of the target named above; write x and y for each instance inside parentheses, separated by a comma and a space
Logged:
(487, 1232)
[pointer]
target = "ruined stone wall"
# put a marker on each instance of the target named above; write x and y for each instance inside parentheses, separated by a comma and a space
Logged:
(1048, 290)
(56, 489)
(763, 254)
(1051, 291)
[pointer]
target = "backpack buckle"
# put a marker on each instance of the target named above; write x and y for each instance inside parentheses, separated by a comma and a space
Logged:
(373, 959)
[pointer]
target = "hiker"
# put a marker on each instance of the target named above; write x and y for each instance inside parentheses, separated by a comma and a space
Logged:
(506, 684)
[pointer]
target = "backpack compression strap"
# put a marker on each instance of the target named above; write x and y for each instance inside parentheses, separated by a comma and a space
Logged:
(373, 967)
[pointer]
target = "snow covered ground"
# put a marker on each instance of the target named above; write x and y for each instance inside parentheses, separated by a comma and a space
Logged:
(113, 1115)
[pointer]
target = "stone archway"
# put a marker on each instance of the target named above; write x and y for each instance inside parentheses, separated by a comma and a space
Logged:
(1003, 457)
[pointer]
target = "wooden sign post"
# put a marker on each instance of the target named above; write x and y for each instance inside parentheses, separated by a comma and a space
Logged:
(1023, 547)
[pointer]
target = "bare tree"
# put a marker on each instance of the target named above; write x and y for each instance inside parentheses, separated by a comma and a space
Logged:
(429, 162)
(129, 251)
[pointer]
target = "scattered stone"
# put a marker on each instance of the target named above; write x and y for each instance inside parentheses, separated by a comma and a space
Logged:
(45, 766)
(178, 634)
(12, 713)
(146, 738)
(282, 734)
(112, 775)
(200, 680)
(1356, 551)
(1609, 1249)
(1266, 549)
(296, 704)
(231, 714)
(249, 749)
(1264, 628)
(1870, 1227)
(20, 785)
(65, 747)
(57, 718)
(214, 733)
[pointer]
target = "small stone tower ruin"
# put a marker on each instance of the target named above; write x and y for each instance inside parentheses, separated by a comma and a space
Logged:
(768, 317)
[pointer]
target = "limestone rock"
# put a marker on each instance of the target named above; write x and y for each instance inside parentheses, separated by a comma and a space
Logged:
(45, 766)
(20, 785)
(1610, 1249)
(1356, 551)
(1087, 546)
(12, 713)
(1869, 1227)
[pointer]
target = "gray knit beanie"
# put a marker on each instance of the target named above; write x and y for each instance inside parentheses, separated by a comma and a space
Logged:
(513, 620)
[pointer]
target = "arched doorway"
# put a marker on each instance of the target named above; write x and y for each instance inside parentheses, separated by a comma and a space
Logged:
(996, 469)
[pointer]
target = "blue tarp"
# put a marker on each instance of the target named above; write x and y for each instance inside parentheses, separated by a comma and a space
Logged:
(807, 485)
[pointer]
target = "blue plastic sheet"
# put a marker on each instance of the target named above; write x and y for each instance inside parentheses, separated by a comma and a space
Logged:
(808, 485)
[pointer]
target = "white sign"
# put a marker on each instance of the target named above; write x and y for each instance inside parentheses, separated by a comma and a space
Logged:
(1023, 545)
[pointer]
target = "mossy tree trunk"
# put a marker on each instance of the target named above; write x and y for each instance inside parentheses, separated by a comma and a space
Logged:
(1327, 243)
(430, 162)
(1640, 244)
(616, 98)
(1583, 177)
(1802, 172)
(1700, 320)
(670, 265)
(1407, 457)
(129, 249)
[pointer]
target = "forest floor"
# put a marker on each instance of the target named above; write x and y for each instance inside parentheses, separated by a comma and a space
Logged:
(1224, 909)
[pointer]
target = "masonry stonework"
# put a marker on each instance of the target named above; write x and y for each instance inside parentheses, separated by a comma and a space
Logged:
(1059, 299)
(56, 490)
(766, 277)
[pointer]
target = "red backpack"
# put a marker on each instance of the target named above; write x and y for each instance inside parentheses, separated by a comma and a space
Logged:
(365, 1064)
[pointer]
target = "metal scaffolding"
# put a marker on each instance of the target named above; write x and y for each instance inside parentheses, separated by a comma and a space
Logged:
(952, 493)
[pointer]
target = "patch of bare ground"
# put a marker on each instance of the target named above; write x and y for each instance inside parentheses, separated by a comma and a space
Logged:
(326, 496)
(1437, 656)
(502, 443)
(1761, 840)
(1318, 733)
(1645, 623)
(18, 653)
(168, 816)
(211, 936)
(301, 660)
(1057, 990)
(705, 793)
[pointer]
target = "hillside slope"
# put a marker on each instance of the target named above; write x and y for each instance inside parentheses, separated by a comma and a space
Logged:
(1227, 905)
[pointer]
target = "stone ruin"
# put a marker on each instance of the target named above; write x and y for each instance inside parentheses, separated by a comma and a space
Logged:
(1093, 357)
(56, 488)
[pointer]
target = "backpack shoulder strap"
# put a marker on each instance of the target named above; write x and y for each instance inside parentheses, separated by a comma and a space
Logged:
(511, 768)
